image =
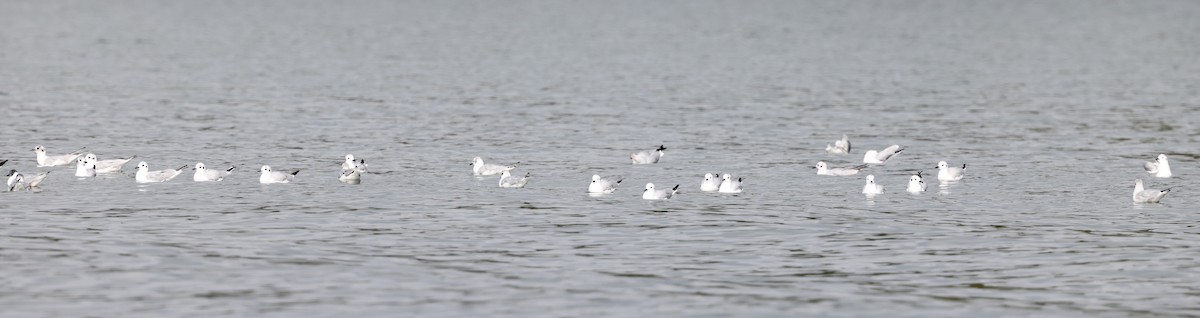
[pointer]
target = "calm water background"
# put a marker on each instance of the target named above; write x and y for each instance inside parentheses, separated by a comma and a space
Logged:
(1053, 104)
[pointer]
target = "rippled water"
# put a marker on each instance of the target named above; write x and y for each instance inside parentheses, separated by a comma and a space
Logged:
(1053, 105)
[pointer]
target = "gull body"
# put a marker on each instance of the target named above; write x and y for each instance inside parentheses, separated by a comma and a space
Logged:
(1159, 167)
(729, 185)
(711, 183)
(507, 180)
(144, 175)
(604, 184)
(881, 156)
(839, 147)
(916, 184)
(871, 187)
(824, 170)
(487, 169)
(271, 176)
(110, 165)
(84, 168)
(948, 173)
(1143, 195)
(45, 160)
(204, 174)
(653, 194)
(647, 156)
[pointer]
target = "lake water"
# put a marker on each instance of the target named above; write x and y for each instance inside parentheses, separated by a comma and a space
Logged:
(1054, 105)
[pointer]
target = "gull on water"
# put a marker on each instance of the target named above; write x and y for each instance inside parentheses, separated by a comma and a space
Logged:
(604, 184)
(729, 185)
(487, 169)
(1143, 195)
(50, 161)
(110, 165)
(647, 156)
(651, 194)
(916, 184)
(350, 164)
(881, 156)
(507, 180)
(1159, 167)
(948, 173)
(204, 174)
(839, 147)
(271, 176)
(17, 181)
(871, 187)
(144, 175)
(711, 183)
(824, 170)
(84, 168)
(351, 176)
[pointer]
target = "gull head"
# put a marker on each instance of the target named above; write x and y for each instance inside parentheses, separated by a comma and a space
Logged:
(91, 157)
(726, 177)
(143, 166)
(199, 166)
(942, 165)
(870, 179)
(265, 169)
(649, 187)
(821, 165)
(39, 149)
(477, 161)
(595, 177)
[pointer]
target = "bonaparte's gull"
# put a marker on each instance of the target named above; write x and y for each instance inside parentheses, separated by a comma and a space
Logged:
(839, 147)
(878, 157)
(871, 187)
(85, 168)
(916, 184)
(604, 184)
(50, 161)
(351, 176)
(711, 183)
(647, 156)
(730, 185)
(110, 165)
(1143, 195)
(1159, 167)
(17, 181)
(144, 175)
(824, 170)
(507, 180)
(948, 173)
(204, 174)
(651, 194)
(351, 164)
(270, 176)
(487, 169)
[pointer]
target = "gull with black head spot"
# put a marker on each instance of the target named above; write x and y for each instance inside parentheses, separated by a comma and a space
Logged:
(648, 156)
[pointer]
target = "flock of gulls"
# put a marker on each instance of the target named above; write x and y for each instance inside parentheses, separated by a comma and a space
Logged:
(88, 165)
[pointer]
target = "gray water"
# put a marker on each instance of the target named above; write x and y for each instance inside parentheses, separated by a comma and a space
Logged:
(1053, 105)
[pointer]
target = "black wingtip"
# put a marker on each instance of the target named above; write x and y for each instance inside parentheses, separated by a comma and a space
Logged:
(662, 147)
(295, 172)
(675, 188)
(964, 166)
(230, 168)
(619, 181)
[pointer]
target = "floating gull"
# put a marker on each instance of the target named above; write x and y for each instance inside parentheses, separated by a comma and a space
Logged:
(871, 187)
(17, 181)
(647, 156)
(1143, 195)
(729, 185)
(824, 170)
(1159, 167)
(85, 168)
(604, 184)
(651, 194)
(839, 147)
(50, 161)
(507, 180)
(878, 157)
(144, 175)
(108, 166)
(351, 164)
(948, 173)
(916, 184)
(269, 176)
(711, 183)
(487, 169)
(203, 174)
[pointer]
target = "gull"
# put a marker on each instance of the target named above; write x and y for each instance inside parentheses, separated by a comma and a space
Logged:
(85, 168)
(651, 194)
(1159, 167)
(604, 184)
(711, 183)
(50, 161)
(487, 169)
(110, 165)
(269, 176)
(204, 174)
(360, 165)
(17, 181)
(839, 147)
(144, 175)
(507, 180)
(948, 173)
(351, 176)
(871, 187)
(916, 184)
(647, 156)
(879, 157)
(1143, 195)
(824, 170)
(728, 185)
